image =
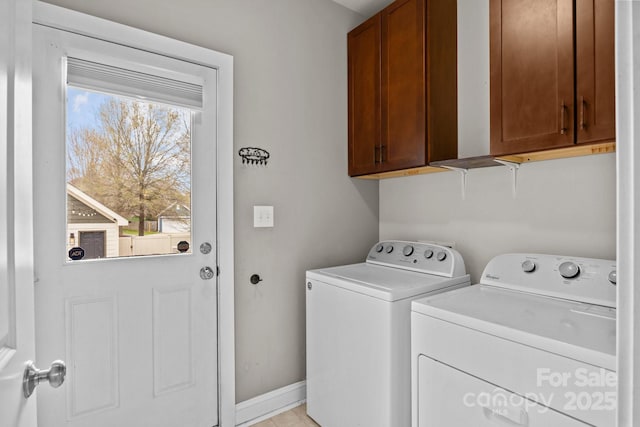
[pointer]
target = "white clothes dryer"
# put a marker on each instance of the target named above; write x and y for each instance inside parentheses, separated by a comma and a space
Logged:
(358, 331)
(532, 345)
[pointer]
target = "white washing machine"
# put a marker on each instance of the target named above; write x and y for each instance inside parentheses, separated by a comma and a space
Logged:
(358, 331)
(532, 345)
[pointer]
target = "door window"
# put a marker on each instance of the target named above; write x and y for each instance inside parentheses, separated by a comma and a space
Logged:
(128, 162)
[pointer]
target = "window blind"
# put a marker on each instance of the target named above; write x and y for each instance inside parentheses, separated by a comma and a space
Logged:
(107, 78)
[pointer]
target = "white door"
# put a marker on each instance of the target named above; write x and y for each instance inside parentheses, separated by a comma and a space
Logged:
(17, 342)
(137, 323)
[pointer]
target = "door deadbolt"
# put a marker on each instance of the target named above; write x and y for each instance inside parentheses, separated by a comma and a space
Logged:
(206, 273)
(34, 376)
(205, 248)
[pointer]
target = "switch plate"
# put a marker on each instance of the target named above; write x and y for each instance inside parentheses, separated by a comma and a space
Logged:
(263, 216)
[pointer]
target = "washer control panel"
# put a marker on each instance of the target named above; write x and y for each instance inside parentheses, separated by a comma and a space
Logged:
(587, 280)
(418, 256)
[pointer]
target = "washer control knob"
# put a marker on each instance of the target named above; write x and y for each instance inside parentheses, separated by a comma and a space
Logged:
(408, 250)
(569, 270)
(428, 253)
(389, 249)
(441, 256)
(613, 277)
(528, 266)
(379, 248)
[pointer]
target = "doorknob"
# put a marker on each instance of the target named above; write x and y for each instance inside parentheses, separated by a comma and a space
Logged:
(34, 376)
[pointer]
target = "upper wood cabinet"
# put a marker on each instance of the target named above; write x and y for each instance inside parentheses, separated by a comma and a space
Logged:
(595, 70)
(546, 91)
(402, 87)
(364, 96)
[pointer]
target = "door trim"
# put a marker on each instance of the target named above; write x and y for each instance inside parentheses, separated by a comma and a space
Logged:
(628, 192)
(86, 25)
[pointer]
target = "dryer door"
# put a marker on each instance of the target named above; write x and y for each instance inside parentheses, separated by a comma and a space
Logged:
(449, 397)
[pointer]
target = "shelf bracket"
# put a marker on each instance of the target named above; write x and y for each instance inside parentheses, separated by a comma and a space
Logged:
(463, 174)
(513, 167)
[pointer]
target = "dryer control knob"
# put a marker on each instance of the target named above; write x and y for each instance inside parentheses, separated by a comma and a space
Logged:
(379, 248)
(528, 266)
(569, 270)
(407, 250)
(389, 249)
(428, 253)
(441, 256)
(613, 277)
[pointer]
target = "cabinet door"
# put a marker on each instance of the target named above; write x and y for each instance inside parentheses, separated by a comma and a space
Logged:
(595, 70)
(442, 80)
(532, 75)
(364, 97)
(403, 85)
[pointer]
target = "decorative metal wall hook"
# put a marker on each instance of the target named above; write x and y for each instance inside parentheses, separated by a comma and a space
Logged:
(253, 156)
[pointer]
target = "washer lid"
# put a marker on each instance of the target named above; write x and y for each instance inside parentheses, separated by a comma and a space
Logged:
(386, 283)
(572, 329)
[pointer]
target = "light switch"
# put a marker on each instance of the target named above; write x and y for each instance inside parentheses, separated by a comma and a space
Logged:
(263, 216)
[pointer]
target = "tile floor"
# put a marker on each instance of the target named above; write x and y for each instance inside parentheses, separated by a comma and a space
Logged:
(296, 417)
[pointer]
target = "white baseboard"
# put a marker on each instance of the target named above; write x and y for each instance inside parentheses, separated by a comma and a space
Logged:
(265, 406)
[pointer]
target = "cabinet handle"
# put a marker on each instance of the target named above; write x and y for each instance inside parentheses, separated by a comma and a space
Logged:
(563, 116)
(383, 148)
(375, 154)
(583, 107)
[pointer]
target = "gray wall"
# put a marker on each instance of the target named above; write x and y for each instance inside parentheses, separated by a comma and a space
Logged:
(290, 98)
(564, 207)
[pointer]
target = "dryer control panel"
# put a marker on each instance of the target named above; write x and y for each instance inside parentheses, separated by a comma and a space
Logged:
(587, 280)
(418, 256)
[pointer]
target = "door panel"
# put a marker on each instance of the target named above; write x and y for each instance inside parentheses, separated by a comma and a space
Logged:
(364, 97)
(403, 83)
(94, 354)
(532, 67)
(139, 334)
(595, 70)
